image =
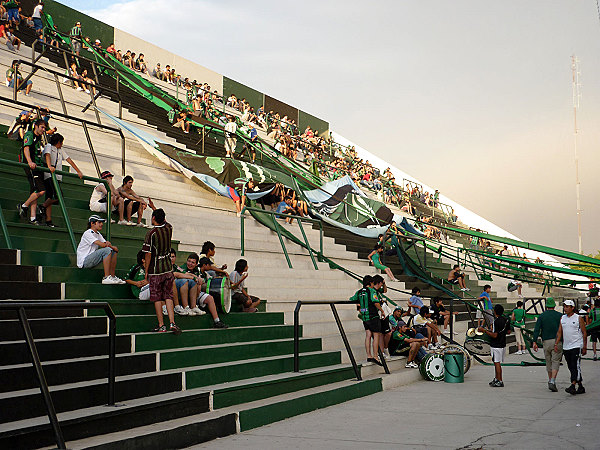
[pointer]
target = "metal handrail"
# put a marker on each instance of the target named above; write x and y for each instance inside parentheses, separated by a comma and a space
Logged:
(85, 124)
(61, 200)
(112, 333)
(336, 316)
(300, 219)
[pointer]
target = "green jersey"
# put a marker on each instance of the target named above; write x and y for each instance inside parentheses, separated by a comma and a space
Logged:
(136, 273)
(547, 324)
(519, 316)
(595, 314)
(364, 297)
(34, 142)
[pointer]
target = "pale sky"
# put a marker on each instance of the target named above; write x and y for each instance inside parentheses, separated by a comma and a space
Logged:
(473, 97)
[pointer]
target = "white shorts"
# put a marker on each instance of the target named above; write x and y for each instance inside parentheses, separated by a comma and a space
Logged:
(145, 292)
(202, 297)
(98, 207)
(498, 354)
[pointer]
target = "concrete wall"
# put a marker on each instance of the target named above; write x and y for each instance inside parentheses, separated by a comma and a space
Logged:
(153, 54)
(241, 91)
(308, 120)
(277, 106)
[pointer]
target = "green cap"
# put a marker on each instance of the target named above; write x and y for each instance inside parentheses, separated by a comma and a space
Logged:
(550, 303)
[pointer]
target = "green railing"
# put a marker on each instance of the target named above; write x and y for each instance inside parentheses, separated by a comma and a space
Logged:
(281, 231)
(61, 201)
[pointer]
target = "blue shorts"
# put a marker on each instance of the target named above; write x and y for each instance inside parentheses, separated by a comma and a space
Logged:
(13, 14)
(37, 24)
(95, 258)
(179, 282)
(21, 87)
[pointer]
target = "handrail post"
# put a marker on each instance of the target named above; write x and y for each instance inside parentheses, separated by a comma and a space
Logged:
(287, 257)
(61, 201)
(346, 343)
(451, 317)
(15, 81)
(383, 361)
(60, 440)
(93, 153)
(321, 237)
(297, 336)
(122, 152)
(108, 209)
(5, 230)
(60, 94)
(112, 339)
(242, 217)
(310, 251)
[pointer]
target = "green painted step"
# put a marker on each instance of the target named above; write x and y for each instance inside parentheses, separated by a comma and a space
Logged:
(165, 341)
(62, 243)
(145, 323)
(241, 370)
(263, 415)
(238, 351)
(132, 306)
(246, 393)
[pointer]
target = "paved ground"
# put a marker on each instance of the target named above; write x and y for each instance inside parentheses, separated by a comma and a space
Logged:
(522, 415)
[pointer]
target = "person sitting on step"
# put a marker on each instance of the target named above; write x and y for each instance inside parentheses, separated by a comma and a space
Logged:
(424, 325)
(415, 302)
(375, 258)
(455, 276)
(205, 300)
(133, 203)
(136, 278)
(93, 249)
(439, 314)
(240, 295)
(187, 279)
(403, 345)
(208, 251)
(99, 198)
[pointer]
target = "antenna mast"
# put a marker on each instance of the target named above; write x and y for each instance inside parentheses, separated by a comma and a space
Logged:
(576, 97)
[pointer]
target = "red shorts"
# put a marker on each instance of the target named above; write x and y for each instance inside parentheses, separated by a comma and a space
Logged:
(161, 287)
(233, 194)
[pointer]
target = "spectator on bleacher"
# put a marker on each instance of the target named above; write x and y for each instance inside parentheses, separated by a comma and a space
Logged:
(21, 123)
(515, 285)
(99, 198)
(230, 137)
(415, 301)
(182, 122)
(440, 315)
(208, 251)
(375, 256)
(206, 301)
(402, 344)
(127, 58)
(93, 249)
(455, 276)
(12, 11)
(285, 207)
(86, 79)
(237, 192)
(133, 203)
(158, 268)
(119, 56)
(78, 79)
(13, 74)
(32, 156)
(75, 36)
(369, 309)
(97, 45)
(485, 304)
(141, 64)
(253, 135)
(187, 281)
(53, 158)
(240, 295)
(136, 278)
(45, 116)
(36, 16)
(424, 325)
(157, 71)
(111, 49)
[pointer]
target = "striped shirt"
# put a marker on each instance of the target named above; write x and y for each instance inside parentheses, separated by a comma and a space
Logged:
(76, 32)
(158, 244)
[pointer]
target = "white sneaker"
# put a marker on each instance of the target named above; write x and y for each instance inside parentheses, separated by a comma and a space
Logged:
(463, 289)
(79, 89)
(130, 223)
(197, 311)
(409, 365)
(140, 224)
(165, 312)
(187, 312)
(414, 365)
(117, 280)
(108, 280)
(179, 310)
(87, 91)
(430, 347)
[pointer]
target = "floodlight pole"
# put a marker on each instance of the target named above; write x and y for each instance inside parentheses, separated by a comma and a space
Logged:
(576, 96)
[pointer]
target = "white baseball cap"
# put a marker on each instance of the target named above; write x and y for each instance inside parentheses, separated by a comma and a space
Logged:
(569, 303)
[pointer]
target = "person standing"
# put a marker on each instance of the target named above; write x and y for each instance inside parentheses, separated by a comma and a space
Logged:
(595, 334)
(230, 139)
(159, 270)
(501, 328)
(547, 325)
(518, 318)
(75, 36)
(32, 156)
(485, 303)
(574, 338)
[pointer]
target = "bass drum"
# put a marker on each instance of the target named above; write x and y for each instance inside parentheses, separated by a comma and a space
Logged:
(432, 367)
(220, 289)
(458, 348)
(477, 342)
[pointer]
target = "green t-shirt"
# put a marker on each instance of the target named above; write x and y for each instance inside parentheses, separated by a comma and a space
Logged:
(35, 147)
(595, 314)
(364, 297)
(136, 273)
(519, 316)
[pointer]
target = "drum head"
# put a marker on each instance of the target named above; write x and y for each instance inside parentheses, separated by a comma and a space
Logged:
(478, 347)
(433, 367)
(220, 289)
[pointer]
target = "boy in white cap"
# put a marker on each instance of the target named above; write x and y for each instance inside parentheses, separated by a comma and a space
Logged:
(93, 249)
(574, 336)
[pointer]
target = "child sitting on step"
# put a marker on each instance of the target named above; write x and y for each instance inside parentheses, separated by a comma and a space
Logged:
(240, 295)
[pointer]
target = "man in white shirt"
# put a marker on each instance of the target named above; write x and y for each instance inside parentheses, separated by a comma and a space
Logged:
(230, 139)
(574, 336)
(93, 249)
(53, 158)
(37, 16)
